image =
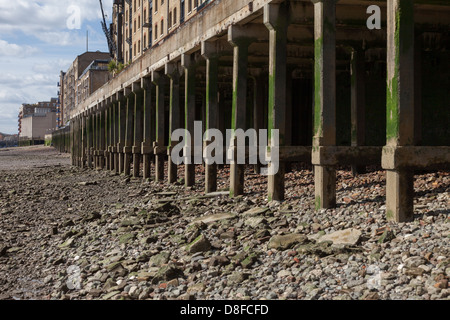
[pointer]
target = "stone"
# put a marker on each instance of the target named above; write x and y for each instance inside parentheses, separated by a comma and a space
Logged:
(110, 295)
(349, 237)
(66, 244)
(238, 277)
(249, 260)
(415, 261)
(214, 218)
(167, 273)
(255, 222)
(387, 236)
(285, 242)
(126, 238)
(413, 271)
(219, 261)
(159, 259)
(200, 244)
(255, 212)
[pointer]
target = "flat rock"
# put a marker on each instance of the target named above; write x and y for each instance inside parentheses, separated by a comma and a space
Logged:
(254, 222)
(213, 218)
(287, 241)
(348, 237)
(255, 212)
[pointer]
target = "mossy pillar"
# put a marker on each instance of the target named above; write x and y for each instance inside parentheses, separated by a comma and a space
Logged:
(84, 140)
(173, 71)
(189, 65)
(148, 127)
(138, 130)
(159, 149)
(399, 108)
(211, 54)
(122, 112)
(276, 17)
(324, 100)
(102, 139)
(128, 143)
(240, 42)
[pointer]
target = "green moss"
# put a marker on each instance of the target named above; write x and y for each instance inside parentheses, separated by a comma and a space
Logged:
(318, 48)
(318, 203)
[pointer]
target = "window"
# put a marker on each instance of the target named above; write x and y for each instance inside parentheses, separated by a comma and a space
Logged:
(189, 5)
(139, 46)
(145, 40)
(156, 31)
(126, 16)
(135, 49)
(162, 27)
(134, 5)
(139, 22)
(134, 25)
(175, 16)
(170, 20)
(156, 6)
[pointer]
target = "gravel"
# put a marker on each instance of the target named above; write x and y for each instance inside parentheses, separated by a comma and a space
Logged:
(71, 233)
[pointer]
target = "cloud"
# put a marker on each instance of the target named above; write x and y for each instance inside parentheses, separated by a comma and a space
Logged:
(49, 20)
(15, 50)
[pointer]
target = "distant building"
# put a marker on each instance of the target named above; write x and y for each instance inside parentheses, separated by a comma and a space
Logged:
(35, 120)
(72, 83)
(92, 78)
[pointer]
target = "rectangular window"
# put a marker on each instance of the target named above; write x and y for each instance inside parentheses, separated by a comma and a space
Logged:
(175, 16)
(162, 27)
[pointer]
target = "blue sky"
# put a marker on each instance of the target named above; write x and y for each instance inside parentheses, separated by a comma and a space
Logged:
(38, 39)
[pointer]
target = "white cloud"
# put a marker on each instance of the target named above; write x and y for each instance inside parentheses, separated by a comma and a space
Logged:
(15, 50)
(48, 19)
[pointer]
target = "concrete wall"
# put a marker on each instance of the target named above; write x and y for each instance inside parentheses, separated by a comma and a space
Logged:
(35, 127)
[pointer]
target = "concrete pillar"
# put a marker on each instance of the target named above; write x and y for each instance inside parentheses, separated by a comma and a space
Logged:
(72, 145)
(174, 74)
(399, 107)
(159, 145)
(96, 139)
(189, 65)
(211, 54)
(84, 140)
(324, 99)
(89, 140)
(240, 45)
(138, 130)
(107, 115)
(276, 18)
(358, 102)
(112, 142)
(102, 146)
(149, 128)
(418, 90)
(122, 130)
(128, 143)
(116, 135)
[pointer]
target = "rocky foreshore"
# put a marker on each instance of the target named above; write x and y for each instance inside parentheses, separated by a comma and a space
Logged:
(69, 233)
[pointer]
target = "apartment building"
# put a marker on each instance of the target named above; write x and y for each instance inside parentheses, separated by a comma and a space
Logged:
(140, 24)
(73, 83)
(35, 120)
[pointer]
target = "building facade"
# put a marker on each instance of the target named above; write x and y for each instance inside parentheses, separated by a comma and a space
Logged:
(35, 120)
(141, 24)
(76, 82)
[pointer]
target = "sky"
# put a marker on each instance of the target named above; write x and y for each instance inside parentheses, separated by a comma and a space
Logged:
(38, 39)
